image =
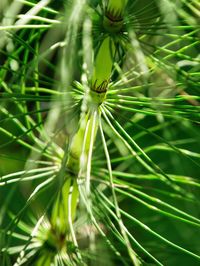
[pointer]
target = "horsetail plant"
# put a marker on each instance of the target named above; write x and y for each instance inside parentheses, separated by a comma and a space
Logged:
(99, 142)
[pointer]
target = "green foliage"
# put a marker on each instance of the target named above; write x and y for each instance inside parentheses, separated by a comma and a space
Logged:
(99, 132)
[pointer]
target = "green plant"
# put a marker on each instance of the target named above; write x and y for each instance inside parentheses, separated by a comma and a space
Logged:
(99, 132)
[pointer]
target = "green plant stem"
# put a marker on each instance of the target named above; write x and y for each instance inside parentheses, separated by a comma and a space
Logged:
(117, 6)
(80, 149)
(64, 210)
(103, 65)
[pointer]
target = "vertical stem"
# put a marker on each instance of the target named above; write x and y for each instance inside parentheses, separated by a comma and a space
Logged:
(103, 65)
(114, 13)
(63, 214)
(80, 150)
(59, 218)
(116, 6)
